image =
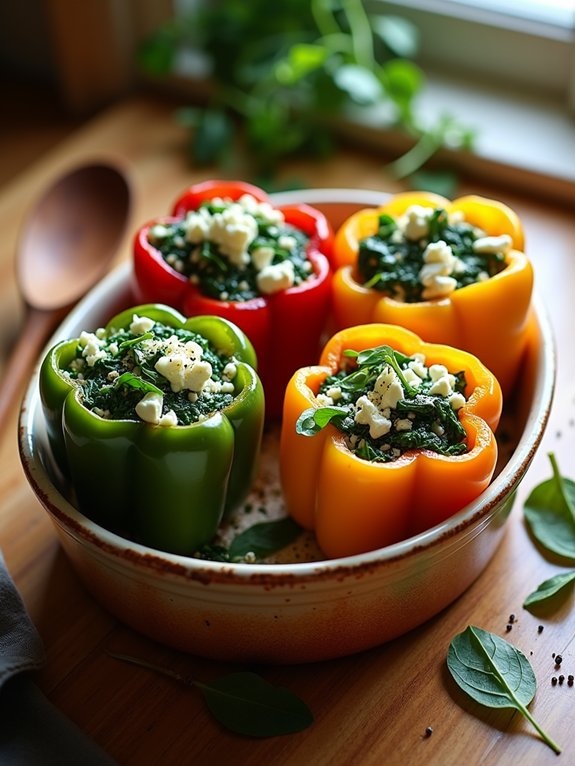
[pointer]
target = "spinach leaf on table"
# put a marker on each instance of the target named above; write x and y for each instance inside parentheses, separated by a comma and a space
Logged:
(549, 589)
(550, 513)
(494, 673)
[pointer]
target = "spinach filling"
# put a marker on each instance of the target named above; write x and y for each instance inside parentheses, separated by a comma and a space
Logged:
(392, 263)
(124, 371)
(216, 275)
(418, 419)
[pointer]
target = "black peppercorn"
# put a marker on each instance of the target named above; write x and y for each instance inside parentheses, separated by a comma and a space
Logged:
(558, 659)
(428, 731)
(540, 629)
(561, 679)
(570, 680)
(554, 681)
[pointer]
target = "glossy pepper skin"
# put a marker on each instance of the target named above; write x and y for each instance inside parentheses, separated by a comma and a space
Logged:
(284, 327)
(489, 319)
(168, 487)
(354, 505)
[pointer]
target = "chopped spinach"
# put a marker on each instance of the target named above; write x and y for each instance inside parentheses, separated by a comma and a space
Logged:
(216, 276)
(390, 263)
(433, 422)
(114, 384)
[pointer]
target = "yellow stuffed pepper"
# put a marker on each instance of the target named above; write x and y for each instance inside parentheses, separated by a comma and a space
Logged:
(387, 437)
(452, 272)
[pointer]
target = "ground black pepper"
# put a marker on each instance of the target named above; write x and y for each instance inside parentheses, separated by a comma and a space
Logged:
(561, 679)
(508, 627)
(554, 681)
(540, 628)
(570, 680)
(511, 618)
(428, 731)
(558, 659)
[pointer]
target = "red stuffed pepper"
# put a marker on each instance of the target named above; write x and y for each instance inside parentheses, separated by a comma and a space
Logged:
(226, 251)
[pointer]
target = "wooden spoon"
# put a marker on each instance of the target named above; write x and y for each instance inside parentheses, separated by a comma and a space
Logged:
(66, 246)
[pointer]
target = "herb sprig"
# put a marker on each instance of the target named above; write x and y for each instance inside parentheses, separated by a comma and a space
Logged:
(285, 80)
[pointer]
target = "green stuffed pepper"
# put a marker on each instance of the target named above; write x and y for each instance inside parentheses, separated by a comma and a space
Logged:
(156, 420)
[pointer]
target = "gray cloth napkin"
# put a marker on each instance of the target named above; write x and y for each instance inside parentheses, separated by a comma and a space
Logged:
(32, 731)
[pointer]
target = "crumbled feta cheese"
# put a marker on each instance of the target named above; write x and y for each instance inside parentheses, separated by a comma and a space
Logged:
(403, 424)
(324, 400)
(92, 349)
(367, 413)
(437, 371)
(197, 225)
(230, 370)
(418, 366)
(441, 387)
(387, 390)
(262, 257)
(168, 420)
(334, 392)
(415, 222)
(412, 378)
(184, 373)
(287, 242)
(158, 231)
(457, 400)
(440, 287)
(500, 244)
(233, 230)
(149, 408)
(276, 277)
(141, 325)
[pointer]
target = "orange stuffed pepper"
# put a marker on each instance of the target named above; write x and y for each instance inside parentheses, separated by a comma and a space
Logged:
(387, 437)
(452, 272)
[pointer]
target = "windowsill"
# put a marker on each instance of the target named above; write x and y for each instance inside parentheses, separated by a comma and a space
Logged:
(522, 141)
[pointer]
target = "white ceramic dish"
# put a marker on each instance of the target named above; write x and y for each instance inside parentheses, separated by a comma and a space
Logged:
(295, 610)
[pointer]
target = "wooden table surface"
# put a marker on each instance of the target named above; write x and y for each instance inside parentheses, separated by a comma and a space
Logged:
(372, 708)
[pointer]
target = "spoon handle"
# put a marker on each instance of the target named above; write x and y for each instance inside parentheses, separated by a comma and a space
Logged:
(33, 336)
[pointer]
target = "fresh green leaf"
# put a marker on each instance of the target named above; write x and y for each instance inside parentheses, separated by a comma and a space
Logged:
(134, 341)
(133, 381)
(264, 538)
(360, 83)
(550, 513)
(549, 589)
(244, 702)
(301, 60)
(494, 673)
(312, 420)
(397, 33)
(247, 704)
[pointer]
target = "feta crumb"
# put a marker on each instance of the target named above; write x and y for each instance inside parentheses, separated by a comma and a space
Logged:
(415, 222)
(262, 257)
(440, 288)
(141, 325)
(149, 408)
(274, 278)
(500, 244)
(367, 413)
(184, 373)
(168, 420)
(324, 400)
(387, 390)
(403, 424)
(457, 400)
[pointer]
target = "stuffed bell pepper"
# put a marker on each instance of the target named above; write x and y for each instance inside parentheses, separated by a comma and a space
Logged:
(452, 272)
(156, 420)
(387, 437)
(227, 251)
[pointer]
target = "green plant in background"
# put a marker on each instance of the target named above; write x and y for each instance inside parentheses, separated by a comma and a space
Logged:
(284, 75)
